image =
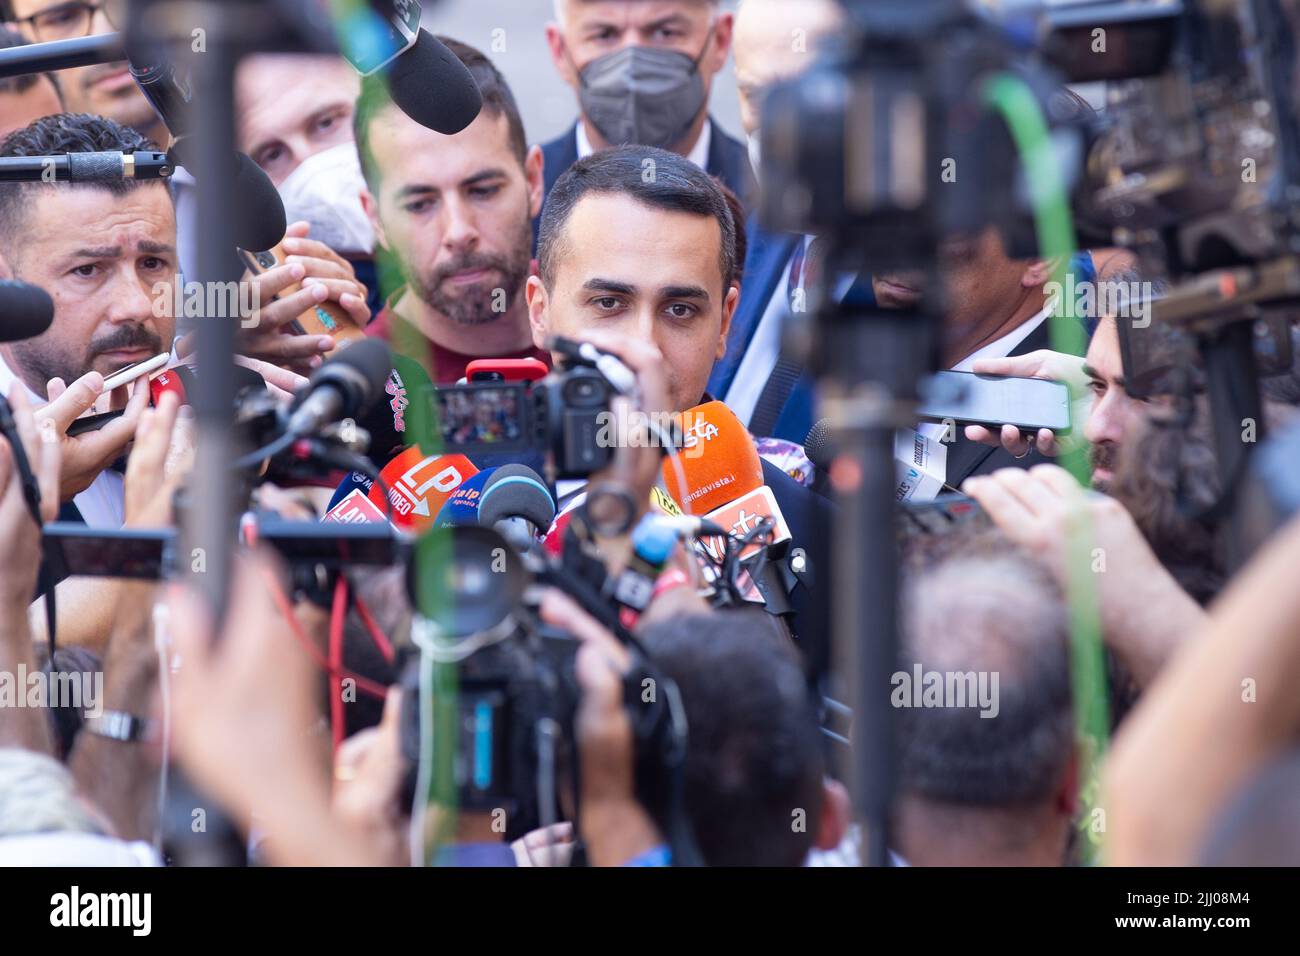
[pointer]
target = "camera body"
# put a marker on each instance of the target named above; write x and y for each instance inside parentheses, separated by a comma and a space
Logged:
(561, 418)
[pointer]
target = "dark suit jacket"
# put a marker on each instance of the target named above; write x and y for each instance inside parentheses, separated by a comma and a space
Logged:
(810, 517)
(728, 160)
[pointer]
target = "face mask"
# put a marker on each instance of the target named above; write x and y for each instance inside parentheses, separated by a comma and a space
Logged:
(643, 95)
(325, 191)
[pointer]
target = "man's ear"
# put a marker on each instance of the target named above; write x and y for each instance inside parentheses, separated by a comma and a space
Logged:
(723, 31)
(371, 207)
(728, 312)
(834, 821)
(535, 177)
(535, 296)
(559, 56)
(1037, 272)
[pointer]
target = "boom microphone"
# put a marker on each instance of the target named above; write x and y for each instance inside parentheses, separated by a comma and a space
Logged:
(108, 166)
(431, 86)
(26, 310)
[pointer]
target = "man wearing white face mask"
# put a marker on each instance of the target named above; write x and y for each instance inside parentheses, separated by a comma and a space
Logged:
(642, 72)
(295, 121)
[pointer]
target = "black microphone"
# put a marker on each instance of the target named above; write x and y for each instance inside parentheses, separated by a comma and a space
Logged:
(424, 78)
(26, 311)
(99, 167)
(431, 86)
(820, 450)
(344, 387)
(260, 220)
(516, 502)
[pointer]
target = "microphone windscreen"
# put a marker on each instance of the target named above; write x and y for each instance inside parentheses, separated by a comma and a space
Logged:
(419, 485)
(181, 380)
(26, 311)
(260, 221)
(718, 457)
(355, 481)
(462, 507)
(817, 445)
(433, 87)
(387, 421)
(516, 491)
(359, 370)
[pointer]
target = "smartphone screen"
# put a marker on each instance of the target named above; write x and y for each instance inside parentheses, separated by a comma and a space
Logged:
(484, 417)
(1028, 403)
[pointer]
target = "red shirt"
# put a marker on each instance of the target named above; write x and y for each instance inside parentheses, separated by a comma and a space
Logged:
(444, 366)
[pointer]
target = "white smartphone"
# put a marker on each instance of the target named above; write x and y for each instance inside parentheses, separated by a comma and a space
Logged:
(132, 372)
(1027, 403)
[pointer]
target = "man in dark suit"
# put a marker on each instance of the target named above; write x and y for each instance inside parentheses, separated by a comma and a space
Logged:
(642, 73)
(658, 291)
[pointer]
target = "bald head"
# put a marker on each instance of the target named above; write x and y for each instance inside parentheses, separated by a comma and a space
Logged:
(775, 40)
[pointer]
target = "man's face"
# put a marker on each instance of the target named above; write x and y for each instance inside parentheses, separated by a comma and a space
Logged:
(979, 279)
(776, 40)
(589, 30)
(21, 109)
(105, 89)
(1113, 413)
(655, 278)
(292, 107)
(111, 280)
(456, 211)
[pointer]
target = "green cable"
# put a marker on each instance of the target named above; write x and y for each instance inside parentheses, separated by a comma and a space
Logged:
(1016, 103)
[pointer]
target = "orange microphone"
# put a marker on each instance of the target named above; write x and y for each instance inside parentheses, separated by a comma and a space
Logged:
(718, 457)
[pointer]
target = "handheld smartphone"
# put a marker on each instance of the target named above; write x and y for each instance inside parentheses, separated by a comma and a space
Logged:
(132, 372)
(328, 318)
(75, 550)
(1027, 403)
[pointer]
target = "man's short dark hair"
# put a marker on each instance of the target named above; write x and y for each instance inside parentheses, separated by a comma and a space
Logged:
(755, 759)
(10, 38)
(66, 133)
(498, 100)
(653, 177)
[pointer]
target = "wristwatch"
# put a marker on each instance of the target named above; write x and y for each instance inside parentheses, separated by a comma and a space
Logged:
(117, 725)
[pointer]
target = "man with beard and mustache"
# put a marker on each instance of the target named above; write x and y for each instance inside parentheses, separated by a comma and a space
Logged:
(455, 213)
(102, 274)
(1111, 412)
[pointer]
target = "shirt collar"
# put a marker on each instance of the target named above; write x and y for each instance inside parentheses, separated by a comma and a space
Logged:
(699, 155)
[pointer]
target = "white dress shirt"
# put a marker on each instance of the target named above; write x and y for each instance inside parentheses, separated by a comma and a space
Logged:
(102, 505)
(699, 155)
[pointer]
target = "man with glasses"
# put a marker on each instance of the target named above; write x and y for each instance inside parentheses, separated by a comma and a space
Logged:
(104, 89)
